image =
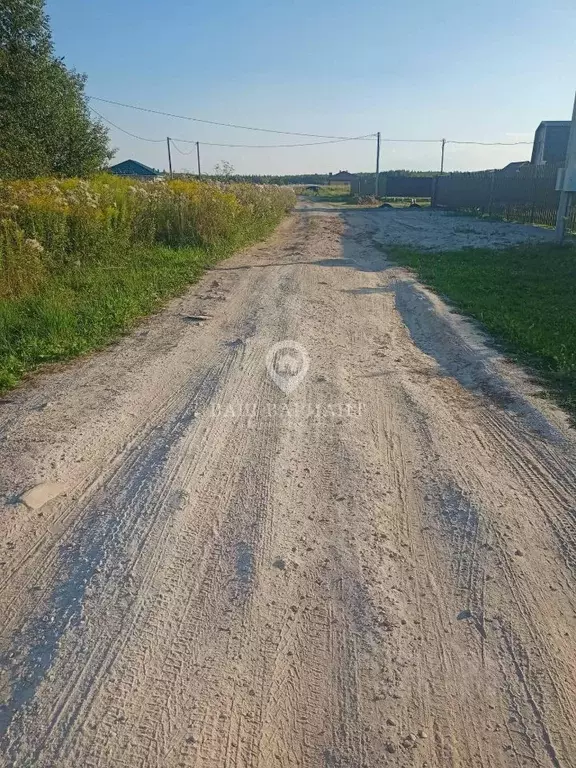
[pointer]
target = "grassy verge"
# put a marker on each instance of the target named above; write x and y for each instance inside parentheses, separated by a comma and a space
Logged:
(86, 308)
(344, 198)
(332, 194)
(524, 296)
(339, 196)
(81, 261)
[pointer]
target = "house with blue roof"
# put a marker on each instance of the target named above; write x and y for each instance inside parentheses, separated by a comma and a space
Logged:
(135, 170)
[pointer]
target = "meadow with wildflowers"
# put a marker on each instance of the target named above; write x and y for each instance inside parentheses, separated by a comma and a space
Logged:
(82, 260)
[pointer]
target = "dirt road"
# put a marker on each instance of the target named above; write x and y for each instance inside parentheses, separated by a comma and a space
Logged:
(202, 568)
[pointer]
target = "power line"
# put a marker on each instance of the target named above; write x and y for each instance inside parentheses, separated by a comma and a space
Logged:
(177, 148)
(490, 143)
(215, 122)
(415, 141)
(277, 146)
(134, 136)
(215, 144)
(331, 139)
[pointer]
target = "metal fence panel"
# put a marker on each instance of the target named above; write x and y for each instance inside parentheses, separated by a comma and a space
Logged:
(528, 196)
(394, 186)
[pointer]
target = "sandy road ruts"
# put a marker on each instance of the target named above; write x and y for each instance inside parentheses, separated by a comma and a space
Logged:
(378, 569)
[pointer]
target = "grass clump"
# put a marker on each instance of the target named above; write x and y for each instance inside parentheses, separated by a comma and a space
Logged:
(334, 193)
(524, 296)
(81, 261)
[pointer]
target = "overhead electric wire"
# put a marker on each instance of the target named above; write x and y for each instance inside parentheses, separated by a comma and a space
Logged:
(490, 143)
(414, 141)
(273, 146)
(177, 148)
(215, 122)
(215, 144)
(134, 136)
(330, 139)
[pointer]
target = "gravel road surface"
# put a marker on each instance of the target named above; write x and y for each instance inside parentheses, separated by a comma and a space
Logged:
(325, 526)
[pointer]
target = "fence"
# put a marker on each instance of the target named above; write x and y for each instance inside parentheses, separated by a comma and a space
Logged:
(394, 186)
(528, 195)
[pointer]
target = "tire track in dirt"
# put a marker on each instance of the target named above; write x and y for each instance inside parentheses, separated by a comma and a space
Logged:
(463, 522)
(376, 569)
(139, 484)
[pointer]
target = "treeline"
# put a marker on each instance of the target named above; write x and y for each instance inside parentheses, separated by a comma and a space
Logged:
(45, 124)
(302, 178)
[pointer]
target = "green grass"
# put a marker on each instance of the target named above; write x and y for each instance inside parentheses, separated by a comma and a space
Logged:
(341, 196)
(88, 307)
(333, 194)
(524, 296)
(82, 260)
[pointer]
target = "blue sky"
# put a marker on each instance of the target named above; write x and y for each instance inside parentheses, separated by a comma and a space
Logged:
(412, 69)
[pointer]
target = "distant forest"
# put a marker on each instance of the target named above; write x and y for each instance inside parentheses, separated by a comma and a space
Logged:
(306, 178)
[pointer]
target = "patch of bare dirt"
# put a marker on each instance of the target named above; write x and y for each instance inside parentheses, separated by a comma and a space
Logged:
(377, 568)
(438, 231)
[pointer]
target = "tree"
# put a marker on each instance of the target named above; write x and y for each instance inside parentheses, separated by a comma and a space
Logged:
(224, 170)
(45, 123)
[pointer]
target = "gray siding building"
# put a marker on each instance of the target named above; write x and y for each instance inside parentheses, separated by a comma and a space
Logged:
(551, 142)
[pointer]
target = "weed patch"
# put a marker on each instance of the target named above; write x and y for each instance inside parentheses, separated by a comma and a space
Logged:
(81, 261)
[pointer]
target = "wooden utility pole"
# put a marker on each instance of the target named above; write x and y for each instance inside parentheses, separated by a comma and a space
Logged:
(442, 161)
(169, 155)
(198, 156)
(377, 181)
(568, 185)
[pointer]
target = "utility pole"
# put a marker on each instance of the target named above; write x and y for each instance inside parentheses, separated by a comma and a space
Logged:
(376, 183)
(568, 184)
(169, 155)
(198, 156)
(442, 161)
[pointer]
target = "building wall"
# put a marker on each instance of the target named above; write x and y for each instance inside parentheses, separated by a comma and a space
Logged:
(550, 144)
(337, 182)
(538, 148)
(556, 143)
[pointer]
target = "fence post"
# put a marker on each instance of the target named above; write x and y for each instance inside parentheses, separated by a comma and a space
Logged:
(377, 179)
(491, 193)
(569, 171)
(534, 185)
(433, 198)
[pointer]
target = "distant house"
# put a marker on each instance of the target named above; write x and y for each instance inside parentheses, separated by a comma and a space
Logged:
(513, 168)
(342, 177)
(551, 142)
(135, 170)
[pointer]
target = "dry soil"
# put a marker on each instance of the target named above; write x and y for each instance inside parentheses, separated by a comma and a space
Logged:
(375, 568)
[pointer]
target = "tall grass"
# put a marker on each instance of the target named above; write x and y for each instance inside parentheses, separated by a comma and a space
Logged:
(81, 260)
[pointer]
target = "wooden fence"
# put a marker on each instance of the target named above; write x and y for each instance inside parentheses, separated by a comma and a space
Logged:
(527, 196)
